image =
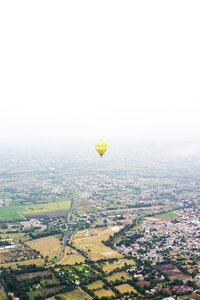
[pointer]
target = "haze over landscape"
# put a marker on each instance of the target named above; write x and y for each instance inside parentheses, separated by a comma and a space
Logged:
(73, 225)
(91, 70)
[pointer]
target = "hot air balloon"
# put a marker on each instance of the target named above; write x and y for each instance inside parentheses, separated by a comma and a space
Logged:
(101, 146)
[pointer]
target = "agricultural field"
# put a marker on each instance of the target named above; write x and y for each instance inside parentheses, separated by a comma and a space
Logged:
(15, 265)
(48, 246)
(117, 264)
(71, 257)
(90, 242)
(96, 285)
(104, 293)
(22, 212)
(76, 294)
(124, 288)
(118, 276)
(47, 207)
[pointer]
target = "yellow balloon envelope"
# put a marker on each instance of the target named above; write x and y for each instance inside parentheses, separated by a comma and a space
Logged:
(101, 146)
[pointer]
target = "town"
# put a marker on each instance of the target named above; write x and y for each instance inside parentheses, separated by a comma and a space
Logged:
(109, 233)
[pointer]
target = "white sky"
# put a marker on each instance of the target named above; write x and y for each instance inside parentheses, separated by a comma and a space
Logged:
(99, 68)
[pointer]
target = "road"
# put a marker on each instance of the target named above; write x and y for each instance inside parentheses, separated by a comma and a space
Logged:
(73, 210)
(71, 215)
(69, 221)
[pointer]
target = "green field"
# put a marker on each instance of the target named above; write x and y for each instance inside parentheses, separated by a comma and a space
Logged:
(12, 213)
(167, 215)
(18, 212)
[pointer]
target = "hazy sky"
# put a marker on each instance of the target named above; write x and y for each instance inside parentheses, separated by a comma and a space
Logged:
(99, 69)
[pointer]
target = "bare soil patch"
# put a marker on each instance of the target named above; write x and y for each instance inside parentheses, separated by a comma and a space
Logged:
(48, 214)
(34, 274)
(143, 283)
(174, 273)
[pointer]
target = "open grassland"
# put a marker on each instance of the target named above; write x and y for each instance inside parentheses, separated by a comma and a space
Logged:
(15, 265)
(48, 246)
(46, 207)
(167, 216)
(111, 266)
(118, 276)
(124, 288)
(90, 241)
(76, 294)
(19, 212)
(71, 257)
(104, 293)
(96, 285)
(11, 213)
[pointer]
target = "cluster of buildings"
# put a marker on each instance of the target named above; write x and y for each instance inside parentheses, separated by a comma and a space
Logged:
(157, 240)
(33, 223)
